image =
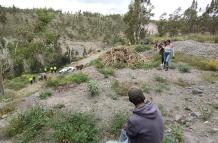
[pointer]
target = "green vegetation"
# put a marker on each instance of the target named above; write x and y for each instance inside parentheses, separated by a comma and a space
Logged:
(119, 120)
(45, 95)
(7, 108)
(161, 84)
(146, 88)
(162, 110)
(93, 88)
(206, 112)
(77, 78)
(26, 126)
(75, 128)
(174, 135)
(17, 83)
(142, 48)
(97, 63)
(182, 83)
(198, 62)
(121, 88)
(215, 106)
(59, 106)
(107, 72)
(153, 63)
(184, 68)
(160, 79)
(65, 127)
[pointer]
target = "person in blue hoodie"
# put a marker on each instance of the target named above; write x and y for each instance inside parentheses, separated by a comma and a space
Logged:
(145, 125)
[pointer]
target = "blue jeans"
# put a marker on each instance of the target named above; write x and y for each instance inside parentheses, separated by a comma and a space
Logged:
(123, 138)
(167, 56)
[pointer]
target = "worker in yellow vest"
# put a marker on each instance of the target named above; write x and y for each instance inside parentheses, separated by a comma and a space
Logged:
(55, 69)
(51, 69)
(45, 69)
(31, 80)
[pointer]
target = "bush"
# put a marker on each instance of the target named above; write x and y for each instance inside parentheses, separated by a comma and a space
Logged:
(213, 65)
(7, 108)
(119, 120)
(154, 63)
(74, 78)
(97, 63)
(17, 83)
(25, 126)
(107, 72)
(183, 68)
(120, 88)
(75, 128)
(45, 95)
(175, 134)
(206, 113)
(93, 88)
(142, 48)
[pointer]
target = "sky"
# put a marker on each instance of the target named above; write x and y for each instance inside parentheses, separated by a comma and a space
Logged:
(102, 6)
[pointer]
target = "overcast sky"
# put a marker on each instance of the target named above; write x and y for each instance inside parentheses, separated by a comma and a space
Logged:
(102, 6)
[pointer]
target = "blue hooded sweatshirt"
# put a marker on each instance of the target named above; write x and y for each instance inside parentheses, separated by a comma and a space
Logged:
(145, 125)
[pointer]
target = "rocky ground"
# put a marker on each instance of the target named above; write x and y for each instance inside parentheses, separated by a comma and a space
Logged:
(181, 104)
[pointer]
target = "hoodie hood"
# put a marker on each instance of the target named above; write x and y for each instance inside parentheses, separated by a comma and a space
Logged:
(148, 111)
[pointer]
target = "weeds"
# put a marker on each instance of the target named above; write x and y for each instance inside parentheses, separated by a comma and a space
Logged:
(184, 68)
(97, 63)
(120, 88)
(146, 88)
(119, 120)
(160, 87)
(162, 110)
(210, 77)
(206, 113)
(75, 128)
(7, 108)
(142, 48)
(74, 78)
(106, 72)
(93, 88)
(182, 83)
(17, 83)
(174, 134)
(160, 79)
(45, 95)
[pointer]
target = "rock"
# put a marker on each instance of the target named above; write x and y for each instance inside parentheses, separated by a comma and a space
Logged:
(197, 91)
(214, 130)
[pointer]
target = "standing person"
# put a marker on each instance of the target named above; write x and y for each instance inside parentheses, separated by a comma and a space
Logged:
(31, 80)
(45, 69)
(55, 69)
(145, 125)
(51, 69)
(168, 52)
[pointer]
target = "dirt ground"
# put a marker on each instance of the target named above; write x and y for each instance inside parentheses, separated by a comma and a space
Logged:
(180, 103)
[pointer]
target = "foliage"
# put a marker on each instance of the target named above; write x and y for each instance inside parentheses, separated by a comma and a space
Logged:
(75, 128)
(59, 106)
(77, 78)
(97, 63)
(120, 88)
(142, 48)
(45, 95)
(27, 125)
(107, 72)
(7, 108)
(93, 88)
(17, 83)
(175, 134)
(119, 120)
(162, 110)
(213, 65)
(153, 63)
(184, 68)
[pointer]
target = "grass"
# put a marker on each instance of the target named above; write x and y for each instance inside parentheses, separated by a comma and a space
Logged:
(146, 88)
(7, 108)
(77, 78)
(210, 77)
(206, 113)
(106, 72)
(119, 120)
(59, 106)
(17, 83)
(184, 68)
(97, 63)
(162, 110)
(93, 88)
(9, 95)
(58, 126)
(120, 88)
(160, 87)
(182, 83)
(142, 48)
(74, 128)
(153, 63)
(175, 134)
(45, 95)
(160, 79)
(197, 62)
(26, 126)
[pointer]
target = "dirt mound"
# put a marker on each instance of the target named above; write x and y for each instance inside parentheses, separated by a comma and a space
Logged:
(195, 48)
(122, 57)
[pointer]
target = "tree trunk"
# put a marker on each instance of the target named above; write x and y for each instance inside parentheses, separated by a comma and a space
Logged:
(2, 91)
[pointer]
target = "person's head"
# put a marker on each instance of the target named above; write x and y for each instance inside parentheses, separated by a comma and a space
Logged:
(168, 42)
(136, 95)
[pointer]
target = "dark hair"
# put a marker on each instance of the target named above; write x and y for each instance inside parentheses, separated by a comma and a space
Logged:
(136, 95)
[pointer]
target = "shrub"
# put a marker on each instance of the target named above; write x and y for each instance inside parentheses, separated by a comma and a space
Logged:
(153, 63)
(184, 68)
(120, 88)
(107, 72)
(17, 83)
(93, 88)
(7, 108)
(97, 63)
(119, 120)
(26, 126)
(74, 78)
(75, 128)
(142, 48)
(175, 134)
(45, 95)
(213, 65)
(206, 113)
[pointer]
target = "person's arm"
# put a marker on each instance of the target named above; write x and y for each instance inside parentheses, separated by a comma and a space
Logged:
(131, 130)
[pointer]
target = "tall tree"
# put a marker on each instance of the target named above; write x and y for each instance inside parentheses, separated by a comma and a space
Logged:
(138, 15)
